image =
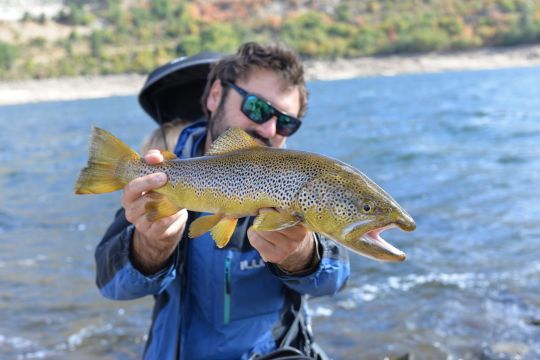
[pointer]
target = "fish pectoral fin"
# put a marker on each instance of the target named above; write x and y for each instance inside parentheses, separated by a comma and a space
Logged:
(167, 155)
(159, 207)
(222, 232)
(273, 220)
(203, 224)
(231, 140)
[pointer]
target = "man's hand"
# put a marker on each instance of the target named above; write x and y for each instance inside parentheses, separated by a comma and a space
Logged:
(292, 249)
(153, 242)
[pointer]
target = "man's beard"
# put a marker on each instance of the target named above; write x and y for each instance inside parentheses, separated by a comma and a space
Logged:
(217, 127)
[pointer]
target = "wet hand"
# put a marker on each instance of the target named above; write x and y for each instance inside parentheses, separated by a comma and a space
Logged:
(153, 242)
(292, 249)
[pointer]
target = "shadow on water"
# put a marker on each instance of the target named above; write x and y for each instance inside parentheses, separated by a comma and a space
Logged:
(458, 151)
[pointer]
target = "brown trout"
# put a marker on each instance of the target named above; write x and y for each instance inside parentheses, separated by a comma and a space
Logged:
(237, 177)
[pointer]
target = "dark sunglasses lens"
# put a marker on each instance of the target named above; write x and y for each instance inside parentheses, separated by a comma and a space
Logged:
(256, 109)
(287, 125)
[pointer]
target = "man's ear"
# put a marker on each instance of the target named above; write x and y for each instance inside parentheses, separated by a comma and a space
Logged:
(214, 97)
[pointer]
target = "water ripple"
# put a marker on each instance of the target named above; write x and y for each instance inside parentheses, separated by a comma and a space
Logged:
(462, 281)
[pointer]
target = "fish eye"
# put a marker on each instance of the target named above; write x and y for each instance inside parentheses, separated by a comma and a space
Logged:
(367, 207)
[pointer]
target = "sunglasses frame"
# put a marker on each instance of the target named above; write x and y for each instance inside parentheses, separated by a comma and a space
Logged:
(280, 128)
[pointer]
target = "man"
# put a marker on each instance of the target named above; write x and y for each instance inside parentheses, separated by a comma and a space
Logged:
(239, 301)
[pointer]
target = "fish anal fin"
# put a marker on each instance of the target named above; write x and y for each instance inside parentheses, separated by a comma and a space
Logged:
(222, 232)
(273, 220)
(159, 207)
(167, 155)
(203, 224)
(231, 140)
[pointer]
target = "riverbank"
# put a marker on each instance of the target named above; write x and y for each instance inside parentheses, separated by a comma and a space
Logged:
(28, 91)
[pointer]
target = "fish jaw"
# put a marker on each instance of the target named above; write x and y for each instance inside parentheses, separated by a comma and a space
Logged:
(405, 222)
(369, 243)
(373, 246)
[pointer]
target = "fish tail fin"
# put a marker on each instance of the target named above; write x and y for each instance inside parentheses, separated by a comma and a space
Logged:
(103, 171)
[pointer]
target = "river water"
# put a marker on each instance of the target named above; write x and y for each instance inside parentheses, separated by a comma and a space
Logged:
(460, 151)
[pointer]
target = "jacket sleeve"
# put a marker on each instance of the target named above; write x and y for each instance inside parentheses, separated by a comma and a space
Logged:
(116, 277)
(327, 278)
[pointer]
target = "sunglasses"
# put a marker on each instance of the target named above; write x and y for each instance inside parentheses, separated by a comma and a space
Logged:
(260, 111)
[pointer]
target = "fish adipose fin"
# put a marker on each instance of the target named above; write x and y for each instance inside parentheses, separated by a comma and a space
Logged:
(203, 224)
(273, 220)
(105, 155)
(159, 207)
(231, 140)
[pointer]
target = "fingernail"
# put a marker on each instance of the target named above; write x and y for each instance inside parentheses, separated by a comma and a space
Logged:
(161, 177)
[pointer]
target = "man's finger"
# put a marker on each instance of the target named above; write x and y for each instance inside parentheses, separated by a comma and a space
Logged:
(294, 233)
(167, 226)
(135, 209)
(134, 189)
(153, 157)
(263, 246)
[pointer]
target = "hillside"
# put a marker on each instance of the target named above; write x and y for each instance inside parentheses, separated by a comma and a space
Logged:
(125, 36)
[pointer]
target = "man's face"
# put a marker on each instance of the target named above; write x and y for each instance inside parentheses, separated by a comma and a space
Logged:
(264, 83)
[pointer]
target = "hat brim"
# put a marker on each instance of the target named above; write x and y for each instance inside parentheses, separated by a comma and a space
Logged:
(174, 90)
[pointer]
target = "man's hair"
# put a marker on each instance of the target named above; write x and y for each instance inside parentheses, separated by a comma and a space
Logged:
(251, 55)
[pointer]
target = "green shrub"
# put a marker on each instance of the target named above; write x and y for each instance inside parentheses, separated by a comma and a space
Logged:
(38, 42)
(96, 44)
(367, 41)
(140, 17)
(162, 9)
(75, 15)
(220, 37)
(8, 55)
(188, 45)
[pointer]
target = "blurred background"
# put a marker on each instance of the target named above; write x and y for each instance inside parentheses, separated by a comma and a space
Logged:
(50, 38)
(458, 149)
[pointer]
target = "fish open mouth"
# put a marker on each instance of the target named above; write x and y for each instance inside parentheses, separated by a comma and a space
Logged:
(379, 248)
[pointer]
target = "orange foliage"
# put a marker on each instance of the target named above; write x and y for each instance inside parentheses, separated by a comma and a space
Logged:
(468, 32)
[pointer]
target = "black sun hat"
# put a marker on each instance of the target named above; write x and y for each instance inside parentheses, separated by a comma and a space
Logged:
(174, 90)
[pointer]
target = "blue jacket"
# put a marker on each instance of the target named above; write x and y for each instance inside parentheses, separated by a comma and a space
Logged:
(213, 303)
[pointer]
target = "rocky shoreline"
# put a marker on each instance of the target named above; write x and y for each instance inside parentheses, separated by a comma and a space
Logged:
(30, 91)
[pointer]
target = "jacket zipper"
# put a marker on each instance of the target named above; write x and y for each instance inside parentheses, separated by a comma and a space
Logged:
(227, 289)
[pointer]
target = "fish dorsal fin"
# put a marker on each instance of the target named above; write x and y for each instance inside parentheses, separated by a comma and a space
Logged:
(167, 155)
(231, 140)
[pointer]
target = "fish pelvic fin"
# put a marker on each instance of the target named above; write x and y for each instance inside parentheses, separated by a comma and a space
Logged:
(101, 174)
(273, 220)
(231, 140)
(203, 224)
(222, 232)
(159, 207)
(221, 228)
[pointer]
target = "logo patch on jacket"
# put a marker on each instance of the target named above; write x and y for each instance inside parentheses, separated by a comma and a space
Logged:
(251, 264)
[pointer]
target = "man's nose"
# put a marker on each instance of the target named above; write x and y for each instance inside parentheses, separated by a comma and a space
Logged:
(268, 128)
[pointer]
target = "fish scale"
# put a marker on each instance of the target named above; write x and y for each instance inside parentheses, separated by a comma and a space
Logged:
(217, 177)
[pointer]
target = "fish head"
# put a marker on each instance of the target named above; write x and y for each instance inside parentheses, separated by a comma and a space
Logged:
(351, 209)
